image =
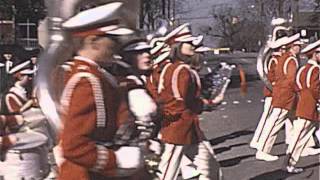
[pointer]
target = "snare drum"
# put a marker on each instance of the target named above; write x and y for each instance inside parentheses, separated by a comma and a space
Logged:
(31, 164)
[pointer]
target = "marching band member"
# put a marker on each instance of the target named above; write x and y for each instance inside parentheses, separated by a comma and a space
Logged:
(308, 82)
(90, 101)
(283, 98)
(269, 67)
(18, 95)
(160, 52)
(136, 54)
(25, 137)
(180, 128)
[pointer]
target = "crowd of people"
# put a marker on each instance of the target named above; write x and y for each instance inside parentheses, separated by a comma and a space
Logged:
(129, 106)
(291, 100)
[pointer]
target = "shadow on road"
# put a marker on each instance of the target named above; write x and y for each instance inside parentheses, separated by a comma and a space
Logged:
(234, 161)
(224, 149)
(233, 135)
(280, 174)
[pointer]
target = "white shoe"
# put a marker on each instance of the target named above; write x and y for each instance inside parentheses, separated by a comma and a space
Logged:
(294, 170)
(310, 152)
(265, 156)
(253, 145)
(189, 172)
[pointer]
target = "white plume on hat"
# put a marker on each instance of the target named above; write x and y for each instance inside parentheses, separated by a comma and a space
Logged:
(312, 46)
(103, 19)
(278, 21)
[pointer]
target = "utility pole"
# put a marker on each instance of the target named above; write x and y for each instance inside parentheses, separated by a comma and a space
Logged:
(174, 10)
(280, 8)
(141, 14)
(164, 8)
(169, 9)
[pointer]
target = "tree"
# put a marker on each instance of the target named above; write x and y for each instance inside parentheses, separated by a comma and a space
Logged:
(236, 26)
(317, 2)
(153, 10)
(20, 10)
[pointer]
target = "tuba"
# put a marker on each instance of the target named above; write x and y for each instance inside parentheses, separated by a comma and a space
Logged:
(266, 52)
(57, 51)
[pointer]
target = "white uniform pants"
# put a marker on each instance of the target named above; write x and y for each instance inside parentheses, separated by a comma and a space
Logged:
(269, 134)
(262, 123)
(289, 130)
(303, 130)
(204, 160)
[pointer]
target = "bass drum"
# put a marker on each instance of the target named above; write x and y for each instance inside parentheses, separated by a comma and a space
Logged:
(31, 164)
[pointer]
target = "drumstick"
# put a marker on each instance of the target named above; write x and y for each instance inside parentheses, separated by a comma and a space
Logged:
(26, 106)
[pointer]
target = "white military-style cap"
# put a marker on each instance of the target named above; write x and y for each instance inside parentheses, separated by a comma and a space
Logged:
(198, 41)
(312, 47)
(160, 53)
(22, 68)
(182, 34)
(137, 46)
(294, 40)
(202, 49)
(278, 43)
(101, 20)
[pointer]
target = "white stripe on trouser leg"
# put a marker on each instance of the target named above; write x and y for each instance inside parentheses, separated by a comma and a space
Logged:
(274, 132)
(169, 165)
(303, 130)
(318, 133)
(288, 130)
(258, 132)
(269, 133)
(311, 142)
(206, 162)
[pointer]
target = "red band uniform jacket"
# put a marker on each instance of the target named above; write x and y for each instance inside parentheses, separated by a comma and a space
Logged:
(308, 83)
(15, 99)
(283, 94)
(270, 67)
(12, 103)
(182, 104)
(90, 105)
(156, 78)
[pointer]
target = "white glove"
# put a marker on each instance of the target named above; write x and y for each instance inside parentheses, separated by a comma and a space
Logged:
(58, 155)
(155, 147)
(141, 104)
(129, 157)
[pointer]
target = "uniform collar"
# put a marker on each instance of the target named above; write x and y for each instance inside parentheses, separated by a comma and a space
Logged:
(292, 54)
(87, 60)
(313, 62)
(19, 90)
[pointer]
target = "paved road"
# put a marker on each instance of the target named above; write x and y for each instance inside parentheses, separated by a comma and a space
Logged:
(230, 129)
